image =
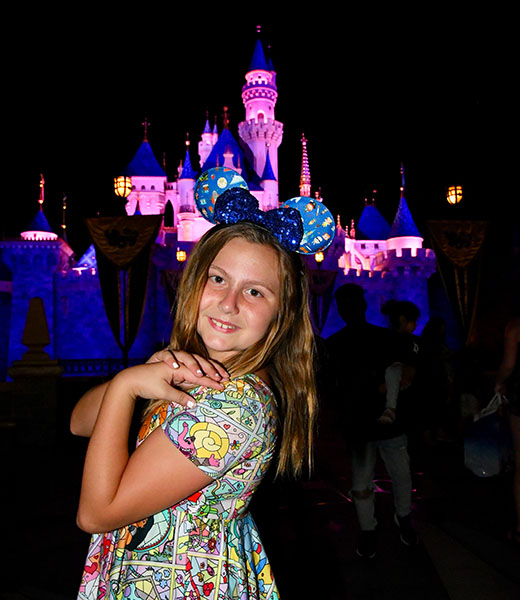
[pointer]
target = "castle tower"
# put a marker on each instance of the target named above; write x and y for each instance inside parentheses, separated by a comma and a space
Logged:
(206, 143)
(305, 175)
(260, 128)
(39, 228)
(270, 198)
(149, 181)
(404, 232)
(34, 261)
(186, 184)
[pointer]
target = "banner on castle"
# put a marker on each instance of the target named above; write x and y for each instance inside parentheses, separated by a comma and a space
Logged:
(123, 250)
(458, 246)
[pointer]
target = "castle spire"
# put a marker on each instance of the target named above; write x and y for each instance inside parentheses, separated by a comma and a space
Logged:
(403, 224)
(305, 175)
(42, 192)
(63, 217)
(259, 95)
(145, 124)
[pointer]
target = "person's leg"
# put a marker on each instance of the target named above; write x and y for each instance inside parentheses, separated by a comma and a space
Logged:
(394, 453)
(393, 375)
(363, 464)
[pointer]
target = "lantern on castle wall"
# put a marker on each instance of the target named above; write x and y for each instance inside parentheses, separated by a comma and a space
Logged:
(122, 186)
(454, 194)
(319, 257)
(181, 255)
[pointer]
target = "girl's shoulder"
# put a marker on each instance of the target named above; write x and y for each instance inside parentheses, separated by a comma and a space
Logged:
(247, 387)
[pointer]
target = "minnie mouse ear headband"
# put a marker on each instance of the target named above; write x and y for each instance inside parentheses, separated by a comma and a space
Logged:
(301, 224)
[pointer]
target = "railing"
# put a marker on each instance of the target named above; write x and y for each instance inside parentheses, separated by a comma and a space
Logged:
(95, 367)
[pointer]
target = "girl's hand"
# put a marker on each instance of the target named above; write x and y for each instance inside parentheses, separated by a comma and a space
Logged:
(152, 381)
(191, 369)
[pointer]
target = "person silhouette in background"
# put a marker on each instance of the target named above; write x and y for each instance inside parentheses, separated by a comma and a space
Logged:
(361, 353)
(508, 383)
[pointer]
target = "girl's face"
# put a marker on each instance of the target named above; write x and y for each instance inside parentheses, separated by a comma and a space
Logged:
(240, 299)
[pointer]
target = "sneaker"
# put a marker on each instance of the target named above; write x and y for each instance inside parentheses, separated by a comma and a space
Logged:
(406, 529)
(366, 547)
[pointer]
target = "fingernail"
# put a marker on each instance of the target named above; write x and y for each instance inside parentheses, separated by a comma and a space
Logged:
(199, 372)
(218, 375)
(191, 404)
(175, 365)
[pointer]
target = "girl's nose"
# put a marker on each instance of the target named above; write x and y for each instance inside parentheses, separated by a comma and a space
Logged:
(228, 303)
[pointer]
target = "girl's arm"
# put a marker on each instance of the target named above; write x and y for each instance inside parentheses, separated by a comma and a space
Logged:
(189, 370)
(85, 412)
(117, 489)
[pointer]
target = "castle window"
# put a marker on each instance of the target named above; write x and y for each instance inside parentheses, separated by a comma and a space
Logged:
(168, 215)
(153, 187)
(142, 187)
(363, 246)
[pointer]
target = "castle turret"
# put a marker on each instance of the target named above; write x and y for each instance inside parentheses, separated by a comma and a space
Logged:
(270, 198)
(404, 232)
(149, 181)
(206, 143)
(186, 184)
(259, 96)
(39, 228)
(190, 223)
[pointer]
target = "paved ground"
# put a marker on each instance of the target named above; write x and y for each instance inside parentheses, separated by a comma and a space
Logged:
(309, 528)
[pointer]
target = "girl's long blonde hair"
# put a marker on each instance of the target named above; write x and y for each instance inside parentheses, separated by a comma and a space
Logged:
(286, 351)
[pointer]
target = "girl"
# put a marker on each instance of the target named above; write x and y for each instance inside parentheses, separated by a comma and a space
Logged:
(174, 512)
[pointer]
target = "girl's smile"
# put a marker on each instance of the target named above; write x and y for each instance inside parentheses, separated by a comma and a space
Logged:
(240, 298)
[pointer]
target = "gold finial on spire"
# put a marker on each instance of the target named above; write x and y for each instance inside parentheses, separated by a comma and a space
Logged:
(145, 124)
(42, 191)
(225, 117)
(63, 219)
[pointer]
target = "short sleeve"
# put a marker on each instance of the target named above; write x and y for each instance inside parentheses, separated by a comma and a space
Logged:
(225, 427)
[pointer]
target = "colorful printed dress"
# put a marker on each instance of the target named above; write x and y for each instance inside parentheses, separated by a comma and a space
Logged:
(206, 546)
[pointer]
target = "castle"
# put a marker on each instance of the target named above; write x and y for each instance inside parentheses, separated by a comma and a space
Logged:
(388, 260)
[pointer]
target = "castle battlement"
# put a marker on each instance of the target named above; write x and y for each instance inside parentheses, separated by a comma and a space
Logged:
(364, 275)
(264, 128)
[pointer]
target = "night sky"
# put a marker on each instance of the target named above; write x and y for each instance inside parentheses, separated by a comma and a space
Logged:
(430, 91)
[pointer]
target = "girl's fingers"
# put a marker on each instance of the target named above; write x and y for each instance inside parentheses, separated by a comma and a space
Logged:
(200, 366)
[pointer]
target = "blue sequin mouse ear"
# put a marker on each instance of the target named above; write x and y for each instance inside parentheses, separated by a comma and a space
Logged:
(213, 183)
(319, 227)
(301, 224)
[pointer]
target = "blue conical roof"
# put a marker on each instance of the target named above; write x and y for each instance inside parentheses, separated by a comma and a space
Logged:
(207, 128)
(187, 169)
(372, 225)
(226, 142)
(144, 163)
(88, 260)
(403, 224)
(258, 61)
(40, 223)
(268, 174)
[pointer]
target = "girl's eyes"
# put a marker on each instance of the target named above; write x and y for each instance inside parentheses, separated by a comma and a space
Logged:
(217, 279)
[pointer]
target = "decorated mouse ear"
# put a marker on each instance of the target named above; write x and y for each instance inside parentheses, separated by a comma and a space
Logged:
(211, 184)
(319, 227)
